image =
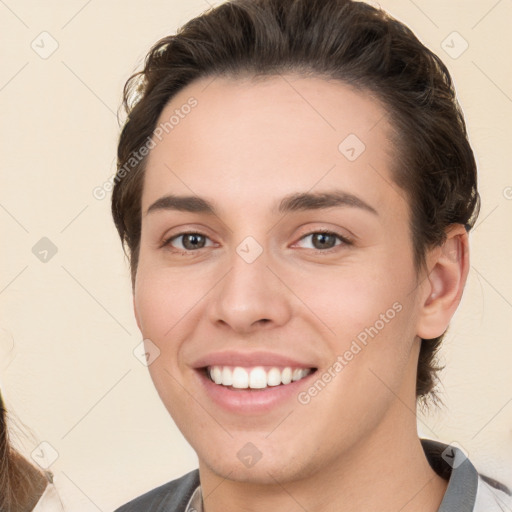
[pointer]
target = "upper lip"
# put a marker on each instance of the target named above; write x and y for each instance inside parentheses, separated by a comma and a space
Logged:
(249, 359)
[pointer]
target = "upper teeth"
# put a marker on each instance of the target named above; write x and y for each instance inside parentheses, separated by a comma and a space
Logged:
(255, 378)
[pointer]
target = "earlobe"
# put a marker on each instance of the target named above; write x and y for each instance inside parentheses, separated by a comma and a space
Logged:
(445, 283)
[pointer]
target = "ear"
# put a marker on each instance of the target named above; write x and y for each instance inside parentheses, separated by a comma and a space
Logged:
(445, 283)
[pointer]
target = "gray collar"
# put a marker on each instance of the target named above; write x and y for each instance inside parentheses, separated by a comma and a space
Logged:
(451, 463)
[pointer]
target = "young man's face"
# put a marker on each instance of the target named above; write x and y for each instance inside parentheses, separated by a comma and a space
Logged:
(263, 287)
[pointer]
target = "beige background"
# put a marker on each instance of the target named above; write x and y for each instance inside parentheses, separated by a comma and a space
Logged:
(67, 331)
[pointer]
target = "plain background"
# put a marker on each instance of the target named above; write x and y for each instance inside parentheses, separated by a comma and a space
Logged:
(67, 331)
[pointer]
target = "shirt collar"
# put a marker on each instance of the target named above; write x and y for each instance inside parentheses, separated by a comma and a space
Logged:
(50, 501)
(450, 462)
(195, 503)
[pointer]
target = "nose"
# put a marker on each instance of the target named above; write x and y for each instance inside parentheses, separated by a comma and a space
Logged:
(250, 297)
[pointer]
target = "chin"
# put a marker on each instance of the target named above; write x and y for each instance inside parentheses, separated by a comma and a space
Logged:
(250, 465)
(262, 473)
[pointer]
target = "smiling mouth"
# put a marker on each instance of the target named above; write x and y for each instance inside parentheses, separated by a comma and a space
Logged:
(257, 377)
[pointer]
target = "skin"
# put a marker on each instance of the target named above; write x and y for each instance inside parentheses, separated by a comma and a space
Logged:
(245, 146)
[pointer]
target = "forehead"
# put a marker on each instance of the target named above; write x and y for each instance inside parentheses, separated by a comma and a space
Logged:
(231, 139)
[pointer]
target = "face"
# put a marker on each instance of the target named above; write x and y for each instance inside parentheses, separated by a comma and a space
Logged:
(283, 261)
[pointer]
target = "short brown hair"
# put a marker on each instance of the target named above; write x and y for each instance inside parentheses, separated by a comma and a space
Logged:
(352, 42)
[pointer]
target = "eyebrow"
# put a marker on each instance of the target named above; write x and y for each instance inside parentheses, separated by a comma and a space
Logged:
(300, 201)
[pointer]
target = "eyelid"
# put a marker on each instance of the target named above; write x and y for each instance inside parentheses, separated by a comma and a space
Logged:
(321, 227)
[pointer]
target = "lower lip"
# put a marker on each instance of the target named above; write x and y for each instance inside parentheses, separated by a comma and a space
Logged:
(252, 401)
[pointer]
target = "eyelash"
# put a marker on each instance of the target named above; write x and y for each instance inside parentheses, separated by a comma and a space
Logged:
(345, 241)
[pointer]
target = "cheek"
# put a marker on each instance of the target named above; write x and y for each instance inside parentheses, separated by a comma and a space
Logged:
(370, 313)
(164, 306)
(164, 299)
(348, 300)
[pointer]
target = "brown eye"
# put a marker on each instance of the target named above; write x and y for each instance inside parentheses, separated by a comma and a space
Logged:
(324, 240)
(193, 241)
(187, 241)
